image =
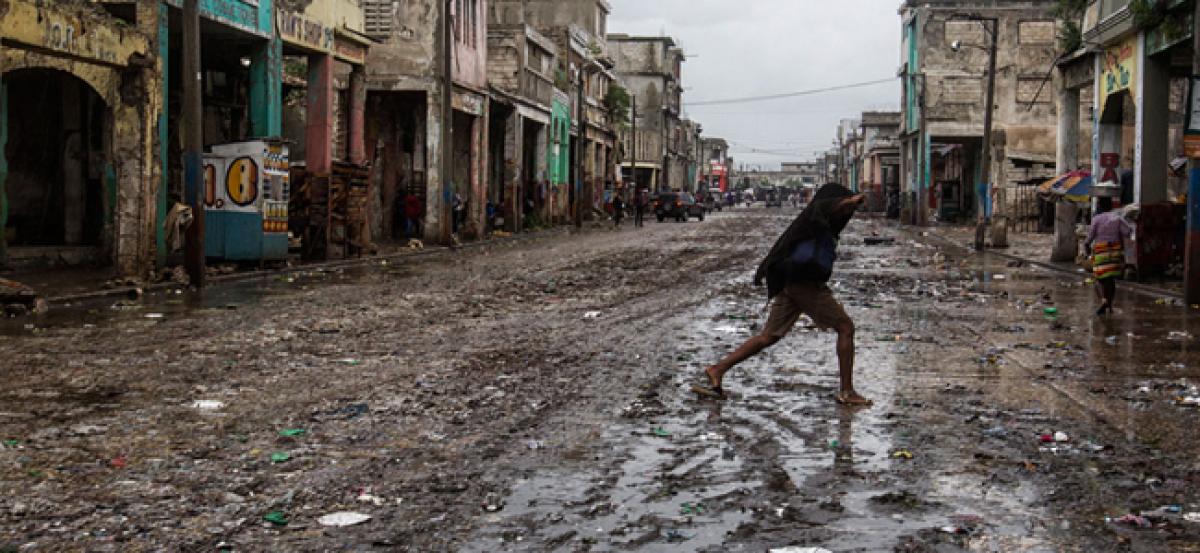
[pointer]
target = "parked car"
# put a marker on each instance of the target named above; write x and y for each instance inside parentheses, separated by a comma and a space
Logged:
(678, 206)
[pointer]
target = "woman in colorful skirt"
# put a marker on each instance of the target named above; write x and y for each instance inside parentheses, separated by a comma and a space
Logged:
(1107, 239)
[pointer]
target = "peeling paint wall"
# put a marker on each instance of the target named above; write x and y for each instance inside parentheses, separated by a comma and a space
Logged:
(116, 62)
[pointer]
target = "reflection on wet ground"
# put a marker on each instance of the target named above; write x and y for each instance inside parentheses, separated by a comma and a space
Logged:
(538, 400)
(968, 372)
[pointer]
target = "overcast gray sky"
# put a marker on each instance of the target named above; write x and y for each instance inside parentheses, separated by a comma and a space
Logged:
(740, 48)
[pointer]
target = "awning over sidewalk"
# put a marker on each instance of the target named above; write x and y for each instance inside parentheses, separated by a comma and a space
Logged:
(1075, 186)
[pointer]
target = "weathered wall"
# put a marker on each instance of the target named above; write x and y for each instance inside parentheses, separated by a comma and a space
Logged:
(116, 62)
(470, 47)
(410, 51)
(506, 58)
(957, 81)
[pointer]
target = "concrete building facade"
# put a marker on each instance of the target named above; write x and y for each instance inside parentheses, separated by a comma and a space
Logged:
(880, 159)
(80, 104)
(651, 69)
(942, 122)
(715, 163)
(578, 29)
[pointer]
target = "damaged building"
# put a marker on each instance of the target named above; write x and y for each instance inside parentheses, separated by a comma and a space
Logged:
(582, 161)
(650, 67)
(405, 98)
(944, 65)
(80, 95)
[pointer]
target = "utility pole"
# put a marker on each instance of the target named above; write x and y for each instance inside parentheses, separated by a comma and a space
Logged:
(445, 202)
(985, 214)
(580, 149)
(663, 174)
(1191, 266)
(633, 146)
(193, 143)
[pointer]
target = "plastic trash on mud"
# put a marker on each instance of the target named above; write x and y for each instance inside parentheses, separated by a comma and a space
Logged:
(343, 518)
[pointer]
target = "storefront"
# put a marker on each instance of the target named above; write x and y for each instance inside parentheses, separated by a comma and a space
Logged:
(79, 96)
(240, 82)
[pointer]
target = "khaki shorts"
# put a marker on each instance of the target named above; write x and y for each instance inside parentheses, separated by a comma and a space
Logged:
(814, 300)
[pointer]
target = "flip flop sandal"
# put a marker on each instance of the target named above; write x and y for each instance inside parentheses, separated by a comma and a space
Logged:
(708, 391)
(843, 400)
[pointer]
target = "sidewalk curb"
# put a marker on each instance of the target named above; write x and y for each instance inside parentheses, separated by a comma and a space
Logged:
(125, 291)
(1138, 287)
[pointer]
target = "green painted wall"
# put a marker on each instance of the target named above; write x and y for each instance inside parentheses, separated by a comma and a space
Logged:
(558, 158)
(160, 201)
(266, 89)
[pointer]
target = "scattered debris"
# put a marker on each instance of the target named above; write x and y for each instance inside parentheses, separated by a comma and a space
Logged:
(691, 509)
(1131, 520)
(276, 517)
(343, 518)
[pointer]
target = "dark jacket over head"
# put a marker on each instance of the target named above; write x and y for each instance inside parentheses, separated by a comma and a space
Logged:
(818, 217)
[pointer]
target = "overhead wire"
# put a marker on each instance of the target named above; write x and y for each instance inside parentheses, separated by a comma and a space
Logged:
(769, 97)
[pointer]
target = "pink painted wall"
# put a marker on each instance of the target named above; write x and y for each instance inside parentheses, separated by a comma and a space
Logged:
(470, 42)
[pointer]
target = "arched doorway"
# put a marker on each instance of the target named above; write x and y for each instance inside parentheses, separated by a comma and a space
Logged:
(59, 184)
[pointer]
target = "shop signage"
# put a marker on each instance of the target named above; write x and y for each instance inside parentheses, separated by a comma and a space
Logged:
(349, 51)
(242, 14)
(1118, 70)
(300, 30)
(468, 103)
(67, 33)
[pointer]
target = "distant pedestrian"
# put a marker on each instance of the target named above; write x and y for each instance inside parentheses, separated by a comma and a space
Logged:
(459, 211)
(1107, 239)
(796, 270)
(618, 206)
(412, 215)
(639, 208)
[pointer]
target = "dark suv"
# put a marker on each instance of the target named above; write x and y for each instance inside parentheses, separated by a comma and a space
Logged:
(678, 206)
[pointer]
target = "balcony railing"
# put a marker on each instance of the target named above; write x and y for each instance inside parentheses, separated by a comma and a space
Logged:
(536, 87)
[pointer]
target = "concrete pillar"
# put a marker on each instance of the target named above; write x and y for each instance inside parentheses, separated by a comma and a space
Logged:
(1153, 120)
(541, 173)
(437, 193)
(1097, 127)
(266, 89)
(74, 191)
(1065, 244)
(358, 102)
(479, 172)
(514, 160)
(3, 168)
(1068, 131)
(164, 55)
(319, 124)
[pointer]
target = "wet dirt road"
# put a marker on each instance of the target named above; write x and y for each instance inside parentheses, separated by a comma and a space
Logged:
(532, 396)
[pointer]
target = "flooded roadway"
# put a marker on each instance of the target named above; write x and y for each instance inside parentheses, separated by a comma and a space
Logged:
(534, 396)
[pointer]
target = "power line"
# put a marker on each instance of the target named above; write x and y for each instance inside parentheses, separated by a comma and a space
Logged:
(789, 94)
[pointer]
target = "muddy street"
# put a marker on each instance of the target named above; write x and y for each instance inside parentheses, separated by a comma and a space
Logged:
(533, 396)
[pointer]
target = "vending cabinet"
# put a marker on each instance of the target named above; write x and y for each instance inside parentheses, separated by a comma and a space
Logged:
(246, 191)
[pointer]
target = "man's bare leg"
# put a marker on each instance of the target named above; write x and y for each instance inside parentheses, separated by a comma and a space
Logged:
(845, 351)
(750, 348)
